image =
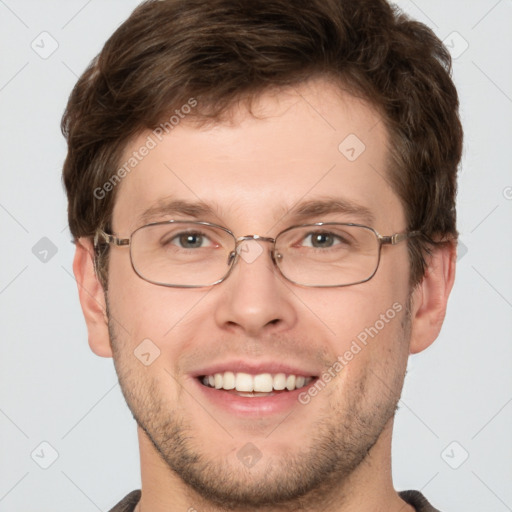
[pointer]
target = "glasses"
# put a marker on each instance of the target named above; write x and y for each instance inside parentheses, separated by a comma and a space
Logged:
(187, 254)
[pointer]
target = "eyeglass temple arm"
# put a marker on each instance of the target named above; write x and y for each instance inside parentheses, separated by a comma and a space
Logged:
(398, 237)
(101, 236)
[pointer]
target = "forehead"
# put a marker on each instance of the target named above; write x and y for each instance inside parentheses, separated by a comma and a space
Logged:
(307, 143)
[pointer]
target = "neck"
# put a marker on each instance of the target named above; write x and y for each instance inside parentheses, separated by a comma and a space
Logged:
(368, 487)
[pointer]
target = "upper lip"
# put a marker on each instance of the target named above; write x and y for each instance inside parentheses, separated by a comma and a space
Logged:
(254, 368)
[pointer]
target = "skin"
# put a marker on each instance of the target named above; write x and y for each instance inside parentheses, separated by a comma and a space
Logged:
(335, 452)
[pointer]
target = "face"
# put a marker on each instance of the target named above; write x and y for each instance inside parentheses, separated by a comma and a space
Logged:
(350, 343)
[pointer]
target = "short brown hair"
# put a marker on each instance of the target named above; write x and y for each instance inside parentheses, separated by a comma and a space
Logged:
(223, 51)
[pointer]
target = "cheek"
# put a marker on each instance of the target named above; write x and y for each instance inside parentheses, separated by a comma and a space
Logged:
(145, 311)
(345, 313)
(363, 325)
(369, 353)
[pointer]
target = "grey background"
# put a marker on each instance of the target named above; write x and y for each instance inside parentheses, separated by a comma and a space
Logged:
(457, 399)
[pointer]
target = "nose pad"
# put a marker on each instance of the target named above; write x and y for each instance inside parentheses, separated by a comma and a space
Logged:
(231, 257)
(277, 259)
(276, 256)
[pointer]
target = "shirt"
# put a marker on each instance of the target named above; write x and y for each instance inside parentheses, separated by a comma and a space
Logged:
(414, 498)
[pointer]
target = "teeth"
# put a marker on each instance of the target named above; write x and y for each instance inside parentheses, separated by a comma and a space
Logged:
(228, 380)
(279, 381)
(263, 382)
(246, 383)
(243, 381)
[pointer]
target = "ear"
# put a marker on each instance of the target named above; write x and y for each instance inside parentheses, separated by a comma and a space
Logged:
(430, 297)
(92, 298)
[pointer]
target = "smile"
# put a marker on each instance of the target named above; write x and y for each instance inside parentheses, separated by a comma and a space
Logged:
(262, 384)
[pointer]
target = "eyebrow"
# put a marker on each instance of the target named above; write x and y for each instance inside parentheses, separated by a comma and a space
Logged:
(315, 208)
(300, 212)
(197, 210)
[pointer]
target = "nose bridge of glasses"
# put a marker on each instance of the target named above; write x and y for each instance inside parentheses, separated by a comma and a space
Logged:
(239, 241)
(258, 238)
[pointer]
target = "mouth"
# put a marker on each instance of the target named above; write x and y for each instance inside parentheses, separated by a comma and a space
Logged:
(254, 389)
(255, 385)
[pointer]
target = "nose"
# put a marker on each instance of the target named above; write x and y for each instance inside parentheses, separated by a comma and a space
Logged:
(254, 299)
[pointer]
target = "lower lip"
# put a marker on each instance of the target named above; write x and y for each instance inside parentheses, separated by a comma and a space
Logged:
(253, 406)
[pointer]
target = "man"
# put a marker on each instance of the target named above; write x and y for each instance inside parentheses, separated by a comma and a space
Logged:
(262, 197)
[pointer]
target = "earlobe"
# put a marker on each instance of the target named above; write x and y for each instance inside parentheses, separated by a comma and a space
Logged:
(430, 297)
(92, 298)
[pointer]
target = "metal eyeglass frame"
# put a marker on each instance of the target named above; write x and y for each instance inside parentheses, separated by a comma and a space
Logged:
(101, 237)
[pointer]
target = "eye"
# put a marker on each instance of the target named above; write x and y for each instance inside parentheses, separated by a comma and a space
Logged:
(188, 240)
(321, 240)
